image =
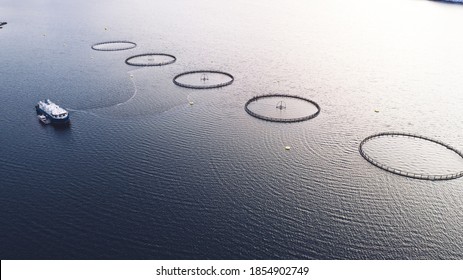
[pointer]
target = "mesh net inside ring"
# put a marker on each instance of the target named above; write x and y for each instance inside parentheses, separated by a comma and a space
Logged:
(413, 156)
(114, 46)
(151, 59)
(282, 108)
(203, 79)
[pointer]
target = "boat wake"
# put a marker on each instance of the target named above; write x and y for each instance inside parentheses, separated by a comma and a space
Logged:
(146, 98)
(93, 109)
(135, 89)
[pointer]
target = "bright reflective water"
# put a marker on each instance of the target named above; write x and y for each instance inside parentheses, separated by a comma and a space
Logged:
(140, 173)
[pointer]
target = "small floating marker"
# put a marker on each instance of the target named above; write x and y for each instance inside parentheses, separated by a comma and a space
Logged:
(191, 103)
(376, 111)
(106, 28)
(288, 148)
(131, 76)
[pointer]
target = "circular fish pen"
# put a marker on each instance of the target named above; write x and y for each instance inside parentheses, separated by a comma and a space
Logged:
(114, 46)
(426, 167)
(203, 79)
(282, 108)
(151, 59)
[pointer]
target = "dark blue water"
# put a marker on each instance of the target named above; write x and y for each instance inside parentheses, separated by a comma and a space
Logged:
(141, 174)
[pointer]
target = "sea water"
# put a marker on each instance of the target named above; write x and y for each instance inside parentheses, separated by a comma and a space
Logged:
(142, 174)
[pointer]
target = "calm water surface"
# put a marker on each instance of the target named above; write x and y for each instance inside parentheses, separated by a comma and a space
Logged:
(141, 174)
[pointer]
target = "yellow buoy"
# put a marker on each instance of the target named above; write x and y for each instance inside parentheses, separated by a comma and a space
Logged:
(287, 148)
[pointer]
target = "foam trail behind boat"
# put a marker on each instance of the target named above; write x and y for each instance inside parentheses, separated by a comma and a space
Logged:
(135, 91)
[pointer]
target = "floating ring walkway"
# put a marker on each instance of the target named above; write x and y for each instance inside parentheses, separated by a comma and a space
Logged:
(129, 62)
(272, 119)
(404, 173)
(203, 86)
(129, 45)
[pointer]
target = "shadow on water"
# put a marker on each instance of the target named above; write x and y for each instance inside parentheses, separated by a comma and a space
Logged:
(61, 128)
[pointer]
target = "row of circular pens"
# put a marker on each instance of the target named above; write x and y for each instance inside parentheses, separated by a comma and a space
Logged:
(160, 59)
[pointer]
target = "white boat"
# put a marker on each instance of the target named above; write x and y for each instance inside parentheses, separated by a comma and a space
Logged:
(53, 113)
(43, 119)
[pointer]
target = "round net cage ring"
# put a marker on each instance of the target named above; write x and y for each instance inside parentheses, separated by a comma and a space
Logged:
(408, 174)
(106, 46)
(281, 106)
(204, 77)
(171, 60)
